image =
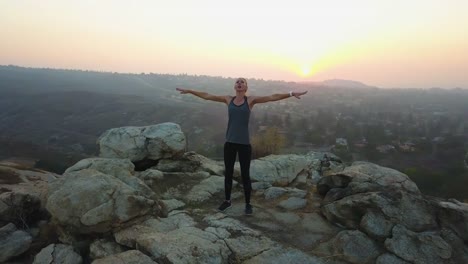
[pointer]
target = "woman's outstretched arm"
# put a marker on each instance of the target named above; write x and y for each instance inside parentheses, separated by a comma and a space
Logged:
(275, 97)
(217, 98)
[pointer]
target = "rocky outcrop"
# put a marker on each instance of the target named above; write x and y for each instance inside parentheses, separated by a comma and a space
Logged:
(386, 206)
(366, 188)
(307, 209)
(155, 142)
(90, 201)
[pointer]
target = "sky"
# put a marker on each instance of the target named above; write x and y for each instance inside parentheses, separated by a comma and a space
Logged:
(389, 44)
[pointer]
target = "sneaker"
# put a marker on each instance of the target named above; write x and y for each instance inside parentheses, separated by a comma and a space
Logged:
(248, 209)
(225, 205)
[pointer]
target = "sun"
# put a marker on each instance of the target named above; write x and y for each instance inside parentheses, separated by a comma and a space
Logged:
(306, 70)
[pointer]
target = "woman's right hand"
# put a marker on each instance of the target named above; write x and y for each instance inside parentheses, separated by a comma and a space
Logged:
(182, 91)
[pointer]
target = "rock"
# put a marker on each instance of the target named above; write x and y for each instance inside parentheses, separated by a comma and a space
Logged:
(57, 253)
(313, 222)
(294, 192)
(419, 248)
(380, 176)
(286, 218)
(293, 203)
(315, 176)
(13, 242)
(21, 178)
(90, 201)
(205, 189)
(376, 226)
(172, 185)
(409, 209)
(175, 220)
(127, 257)
(274, 192)
(153, 179)
(183, 245)
(278, 255)
(389, 259)
(220, 220)
(191, 162)
(245, 247)
(155, 142)
(260, 185)
(453, 215)
(121, 169)
(301, 180)
(460, 249)
(351, 246)
(128, 236)
(172, 204)
(102, 248)
(332, 181)
(278, 169)
(221, 233)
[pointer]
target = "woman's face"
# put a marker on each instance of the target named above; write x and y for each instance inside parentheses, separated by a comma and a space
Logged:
(240, 85)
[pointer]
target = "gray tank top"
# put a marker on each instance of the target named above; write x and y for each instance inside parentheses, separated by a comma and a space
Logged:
(238, 124)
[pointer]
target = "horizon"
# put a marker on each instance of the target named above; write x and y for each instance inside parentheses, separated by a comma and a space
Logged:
(226, 77)
(390, 44)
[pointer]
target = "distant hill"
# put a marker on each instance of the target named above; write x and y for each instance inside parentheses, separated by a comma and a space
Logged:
(340, 83)
(345, 83)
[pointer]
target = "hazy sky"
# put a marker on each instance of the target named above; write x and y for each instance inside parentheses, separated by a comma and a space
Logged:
(397, 43)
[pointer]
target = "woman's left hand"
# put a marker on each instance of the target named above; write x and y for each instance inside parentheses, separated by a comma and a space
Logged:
(298, 94)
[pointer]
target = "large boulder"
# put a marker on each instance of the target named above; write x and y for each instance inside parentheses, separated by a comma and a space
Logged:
(383, 195)
(397, 206)
(351, 246)
(367, 177)
(419, 248)
(279, 169)
(90, 201)
(154, 142)
(122, 169)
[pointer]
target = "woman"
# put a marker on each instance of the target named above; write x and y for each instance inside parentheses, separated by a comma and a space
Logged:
(237, 134)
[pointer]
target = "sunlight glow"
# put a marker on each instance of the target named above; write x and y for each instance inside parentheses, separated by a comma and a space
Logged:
(290, 40)
(306, 70)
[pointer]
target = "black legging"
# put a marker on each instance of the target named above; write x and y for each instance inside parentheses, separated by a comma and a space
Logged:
(245, 154)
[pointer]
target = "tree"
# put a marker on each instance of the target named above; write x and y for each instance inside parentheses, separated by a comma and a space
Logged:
(267, 142)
